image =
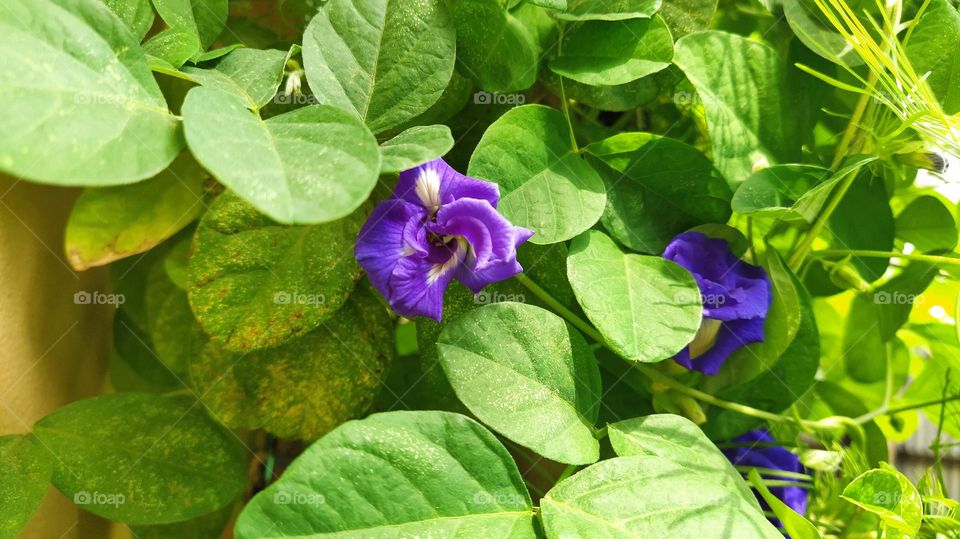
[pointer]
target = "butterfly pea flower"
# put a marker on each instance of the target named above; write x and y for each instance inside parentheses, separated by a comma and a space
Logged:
(439, 225)
(757, 450)
(736, 297)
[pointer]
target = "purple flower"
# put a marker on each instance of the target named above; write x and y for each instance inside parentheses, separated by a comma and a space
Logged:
(736, 297)
(760, 454)
(439, 225)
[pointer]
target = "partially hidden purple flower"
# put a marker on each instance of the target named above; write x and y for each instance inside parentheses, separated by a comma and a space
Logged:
(736, 297)
(757, 451)
(439, 225)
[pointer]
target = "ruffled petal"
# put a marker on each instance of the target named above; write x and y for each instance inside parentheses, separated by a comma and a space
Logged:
(733, 335)
(731, 289)
(435, 183)
(391, 231)
(419, 282)
(493, 241)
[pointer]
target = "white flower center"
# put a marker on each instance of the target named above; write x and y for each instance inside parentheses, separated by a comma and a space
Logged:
(428, 188)
(705, 337)
(439, 270)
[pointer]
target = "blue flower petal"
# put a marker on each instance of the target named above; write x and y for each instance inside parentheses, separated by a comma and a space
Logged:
(392, 230)
(436, 183)
(763, 455)
(419, 282)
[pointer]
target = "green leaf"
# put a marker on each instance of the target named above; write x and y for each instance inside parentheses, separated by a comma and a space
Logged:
(687, 16)
(174, 333)
(109, 223)
(773, 191)
(544, 184)
(209, 526)
(677, 439)
(312, 165)
(649, 496)
(528, 375)
(142, 459)
(204, 18)
(608, 53)
(888, 494)
(622, 97)
(812, 28)
(255, 284)
(397, 474)
(646, 307)
(937, 31)
(749, 119)
(493, 47)
(794, 524)
(609, 10)
(308, 386)
(549, 4)
(251, 74)
(384, 60)
(136, 14)
(27, 468)
(866, 201)
(415, 146)
(174, 46)
(658, 187)
(928, 224)
(80, 105)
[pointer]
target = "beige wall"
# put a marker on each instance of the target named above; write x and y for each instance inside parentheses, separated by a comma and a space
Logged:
(52, 351)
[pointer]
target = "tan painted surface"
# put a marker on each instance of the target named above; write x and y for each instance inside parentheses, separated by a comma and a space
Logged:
(52, 350)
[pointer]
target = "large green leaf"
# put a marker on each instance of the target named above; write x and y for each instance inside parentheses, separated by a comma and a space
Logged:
(27, 468)
(528, 375)
(609, 10)
(686, 16)
(204, 18)
(493, 47)
(866, 201)
(677, 439)
(255, 284)
(80, 106)
(173, 46)
(308, 386)
(136, 14)
(142, 459)
(937, 32)
(251, 74)
(385, 60)
(109, 223)
(649, 496)
(544, 184)
(749, 118)
(397, 474)
(311, 165)
(928, 224)
(415, 146)
(658, 187)
(888, 494)
(614, 52)
(646, 307)
(773, 191)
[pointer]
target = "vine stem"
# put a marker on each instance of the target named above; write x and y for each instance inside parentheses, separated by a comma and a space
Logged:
(648, 371)
(905, 408)
(864, 253)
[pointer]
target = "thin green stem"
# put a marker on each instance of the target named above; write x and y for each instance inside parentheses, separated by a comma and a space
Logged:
(560, 309)
(864, 253)
(800, 254)
(774, 472)
(564, 105)
(865, 418)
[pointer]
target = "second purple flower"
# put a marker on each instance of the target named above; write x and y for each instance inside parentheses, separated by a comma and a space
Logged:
(439, 225)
